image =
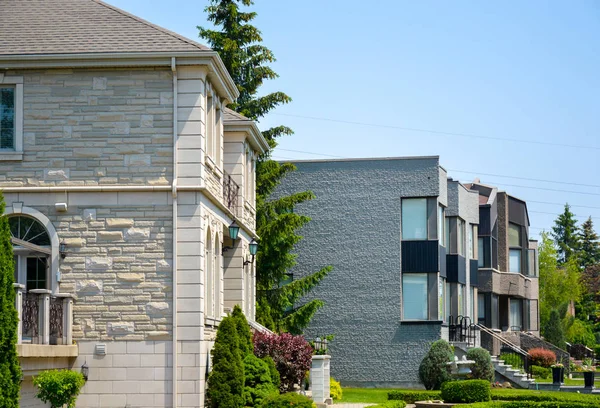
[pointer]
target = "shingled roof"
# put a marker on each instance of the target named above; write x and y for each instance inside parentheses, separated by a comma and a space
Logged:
(230, 115)
(81, 26)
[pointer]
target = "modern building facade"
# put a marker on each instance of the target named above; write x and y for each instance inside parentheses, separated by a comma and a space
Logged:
(123, 172)
(404, 241)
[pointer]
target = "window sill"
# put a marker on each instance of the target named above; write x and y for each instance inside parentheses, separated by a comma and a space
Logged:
(421, 322)
(11, 156)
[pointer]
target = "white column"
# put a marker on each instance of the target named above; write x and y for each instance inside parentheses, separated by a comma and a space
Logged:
(44, 315)
(319, 379)
(67, 332)
(19, 289)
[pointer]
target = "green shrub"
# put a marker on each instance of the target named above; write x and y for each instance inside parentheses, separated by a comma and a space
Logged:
(410, 396)
(541, 372)
(513, 360)
(541, 396)
(10, 371)
(290, 399)
(389, 404)
(258, 383)
(433, 371)
(275, 377)
(335, 389)
(226, 380)
(243, 331)
(466, 391)
(483, 369)
(59, 387)
(527, 404)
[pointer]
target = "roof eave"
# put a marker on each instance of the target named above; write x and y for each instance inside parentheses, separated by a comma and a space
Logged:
(217, 71)
(257, 140)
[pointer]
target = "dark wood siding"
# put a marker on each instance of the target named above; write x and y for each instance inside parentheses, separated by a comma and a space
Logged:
(456, 267)
(420, 256)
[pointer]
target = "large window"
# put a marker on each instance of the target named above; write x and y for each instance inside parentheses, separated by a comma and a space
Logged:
(472, 241)
(461, 299)
(414, 296)
(414, 218)
(514, 235)
(7, 117)
(460, 236)
(514, 241)
(515, 260)
(36, 273)
(441, 224)
(481, 308)
(480, 252)
(516, 318)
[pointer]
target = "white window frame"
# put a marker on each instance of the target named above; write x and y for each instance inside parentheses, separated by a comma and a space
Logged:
(17, 152)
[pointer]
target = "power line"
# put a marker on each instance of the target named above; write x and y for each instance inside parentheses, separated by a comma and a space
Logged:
(544, 188)
(438, 132)
(525, 178)
(562, 204)
(551, 213)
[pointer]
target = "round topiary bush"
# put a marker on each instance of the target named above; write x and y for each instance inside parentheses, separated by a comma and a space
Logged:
(483, 369)
(467, 391)
(290, 399)
(434, 371)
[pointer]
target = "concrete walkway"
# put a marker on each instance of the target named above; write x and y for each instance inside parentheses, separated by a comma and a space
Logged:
(363, 405)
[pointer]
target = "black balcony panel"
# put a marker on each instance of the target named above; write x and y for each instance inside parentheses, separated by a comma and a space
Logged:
(456, 268)
(420, 256)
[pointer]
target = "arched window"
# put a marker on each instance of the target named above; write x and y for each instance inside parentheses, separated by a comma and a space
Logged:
(218, 276)
(209, 282)
(32, 252)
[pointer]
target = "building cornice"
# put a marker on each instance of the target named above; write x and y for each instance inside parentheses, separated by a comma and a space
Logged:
(257, 140)
(218, 73)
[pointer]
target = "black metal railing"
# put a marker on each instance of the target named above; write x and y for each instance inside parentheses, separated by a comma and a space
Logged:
(461, 329)
(56, 320)
(511, 353)
(230, 192)
(30, 317)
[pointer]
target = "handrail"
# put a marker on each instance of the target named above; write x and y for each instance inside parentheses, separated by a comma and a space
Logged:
(503, 340)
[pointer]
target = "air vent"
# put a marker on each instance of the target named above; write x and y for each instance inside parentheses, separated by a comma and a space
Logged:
(100, 349)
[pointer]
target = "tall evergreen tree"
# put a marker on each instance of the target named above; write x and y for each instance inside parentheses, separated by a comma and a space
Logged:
(10, 371)
(553, 331)
(590, 244)
(565, 233)
(239, 45)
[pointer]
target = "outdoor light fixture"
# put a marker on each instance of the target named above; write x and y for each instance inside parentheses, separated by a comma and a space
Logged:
(321, 345)
(253, 249)
(234, 230)
(85, 370)
(62, 248)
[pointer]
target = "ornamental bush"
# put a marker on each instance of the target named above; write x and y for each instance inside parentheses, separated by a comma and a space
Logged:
(483, 369)
(466, 391)
(542, 357)
(410, 396)
(10, 371)
(335, 389)
(243, 331)
(258, 381)
(291, 399)
(541, 372)
(226, 380)
(434, 371)
(59, 387)
(291, 354)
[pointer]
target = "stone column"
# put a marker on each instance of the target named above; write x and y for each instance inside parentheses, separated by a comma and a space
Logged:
(67, 334)
(19, 289)
(44, 314)
(319, 379)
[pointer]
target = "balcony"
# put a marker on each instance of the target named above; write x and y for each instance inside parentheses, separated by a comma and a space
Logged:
(231, 191)
(507, 283)
(45, 323)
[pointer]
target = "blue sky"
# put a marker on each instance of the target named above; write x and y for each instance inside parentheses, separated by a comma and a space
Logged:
(527, 71)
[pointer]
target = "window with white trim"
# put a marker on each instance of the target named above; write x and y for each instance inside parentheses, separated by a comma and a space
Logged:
(32, 251)
(11, 117)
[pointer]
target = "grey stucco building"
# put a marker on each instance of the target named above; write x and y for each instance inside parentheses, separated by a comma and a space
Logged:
(403, 240)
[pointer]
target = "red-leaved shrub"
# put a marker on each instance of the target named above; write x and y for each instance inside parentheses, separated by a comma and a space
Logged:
(291, 354)
(542, 357)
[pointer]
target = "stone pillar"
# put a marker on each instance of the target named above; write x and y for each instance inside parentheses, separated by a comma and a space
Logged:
(319, 379)
(67, 334)
(44, 314)
(19, 289)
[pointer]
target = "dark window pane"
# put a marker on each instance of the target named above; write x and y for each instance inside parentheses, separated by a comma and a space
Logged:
(29, 229)
(36, 273)
(7, 118)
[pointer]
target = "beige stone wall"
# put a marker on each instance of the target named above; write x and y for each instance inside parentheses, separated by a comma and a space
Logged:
(94, 127)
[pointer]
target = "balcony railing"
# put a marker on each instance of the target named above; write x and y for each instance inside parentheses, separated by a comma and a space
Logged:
(44, 318)
(231, 191)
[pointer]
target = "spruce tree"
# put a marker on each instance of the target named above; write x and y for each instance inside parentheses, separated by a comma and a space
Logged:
(243, 332)
(226, 380)
(590, 244)
(239, 45)
(565, 233)
(10, 371)
(553, 330)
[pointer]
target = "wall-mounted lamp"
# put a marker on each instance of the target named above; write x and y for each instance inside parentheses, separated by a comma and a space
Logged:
(85, 370)
(253, 249)
(234, 230)
(62, 249)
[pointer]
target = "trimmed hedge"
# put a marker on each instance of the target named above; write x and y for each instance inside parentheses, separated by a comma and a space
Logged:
(290, 399)
(529, 404)
(541, 372)
(389, 404)
(410, 396)
(466, 391)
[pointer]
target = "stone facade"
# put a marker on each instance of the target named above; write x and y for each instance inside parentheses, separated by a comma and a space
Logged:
(356, 227)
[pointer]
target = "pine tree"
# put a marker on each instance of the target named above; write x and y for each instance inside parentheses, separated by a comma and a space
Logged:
(226, 380)
(565, 233)
(553, 330)
(239, 45)
(243, 331)
(10, 371)
(590, 244)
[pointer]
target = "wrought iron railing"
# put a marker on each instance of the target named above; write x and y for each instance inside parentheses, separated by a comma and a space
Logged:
(461, 329)
(56, 320)
(231, 191)
(30, 317)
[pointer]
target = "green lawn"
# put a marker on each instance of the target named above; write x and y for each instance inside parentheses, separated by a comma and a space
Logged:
(367, 395)
(574, 381)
